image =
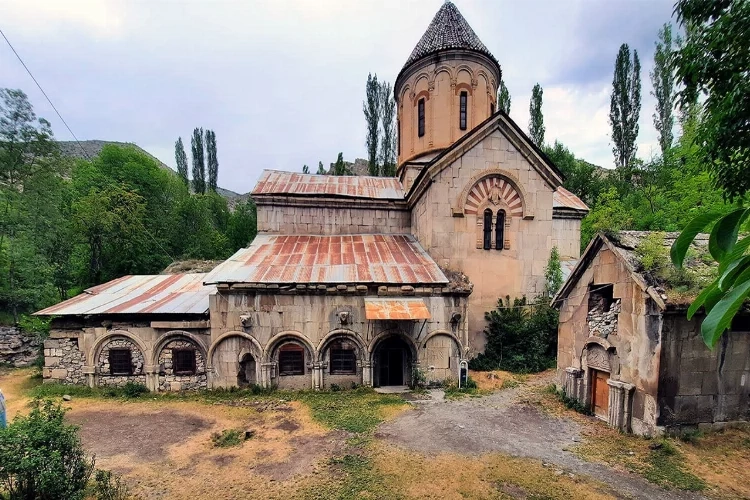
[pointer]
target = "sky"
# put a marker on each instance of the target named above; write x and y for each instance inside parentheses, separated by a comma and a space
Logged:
(282, 82)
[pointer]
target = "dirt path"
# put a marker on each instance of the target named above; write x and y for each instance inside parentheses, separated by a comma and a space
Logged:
(501, 423)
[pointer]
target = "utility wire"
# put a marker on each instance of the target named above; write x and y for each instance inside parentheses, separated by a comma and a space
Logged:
(85, 153)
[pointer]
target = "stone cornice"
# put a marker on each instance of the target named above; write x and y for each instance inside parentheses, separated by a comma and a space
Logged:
(329, 202)
(437, 290)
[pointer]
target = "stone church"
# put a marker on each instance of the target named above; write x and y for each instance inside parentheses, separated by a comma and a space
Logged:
(351, 279)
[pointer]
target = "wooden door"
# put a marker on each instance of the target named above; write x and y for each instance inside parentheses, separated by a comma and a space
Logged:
(599, 393)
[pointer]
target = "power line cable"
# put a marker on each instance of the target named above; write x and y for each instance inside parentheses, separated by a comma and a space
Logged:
(85, 153)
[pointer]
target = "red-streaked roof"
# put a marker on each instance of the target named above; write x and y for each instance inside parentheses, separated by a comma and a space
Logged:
(154, 294)
(562, 198)
(351, 186)
(359, 258)
(395, 309)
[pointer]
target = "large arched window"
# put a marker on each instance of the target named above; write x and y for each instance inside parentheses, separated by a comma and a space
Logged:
(500, 229)
(487, 229)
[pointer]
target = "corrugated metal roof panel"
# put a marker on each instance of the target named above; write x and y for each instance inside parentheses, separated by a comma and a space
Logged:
(562, 198)
(151, 294)
(396, 309)
(359, 258)
(352, 186)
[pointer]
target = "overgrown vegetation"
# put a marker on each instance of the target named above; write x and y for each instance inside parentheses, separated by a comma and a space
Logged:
(109, 486)
(129, 391)
(569, 402)
(227, 438)
(521, 337)
(452, 391)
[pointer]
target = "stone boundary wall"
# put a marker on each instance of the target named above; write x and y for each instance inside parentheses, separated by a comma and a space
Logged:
(168, 381)
(63, 361)
(16, 348)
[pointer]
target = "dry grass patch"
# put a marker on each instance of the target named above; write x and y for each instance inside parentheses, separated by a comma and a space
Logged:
(14, 383)
(722, 459)
(494, 380)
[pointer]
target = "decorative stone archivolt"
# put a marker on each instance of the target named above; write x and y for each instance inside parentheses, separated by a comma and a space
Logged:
(446, 333)
(597, 358)
(341, 334)
(493, 185)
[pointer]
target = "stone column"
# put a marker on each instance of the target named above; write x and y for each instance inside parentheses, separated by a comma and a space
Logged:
(89, 372)
(317, 376)
(619, 404)
(266, 374)
(367, 374)
(573, 383)
(152, 377)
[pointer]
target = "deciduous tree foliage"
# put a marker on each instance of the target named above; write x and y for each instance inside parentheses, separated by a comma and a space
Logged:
(181, 161)
(305, 169)
(536, 120)
(625, 106)
(388, 139)
(662, 79)
(503, 98)
(371, 109)
(199, 164)
(213, 161)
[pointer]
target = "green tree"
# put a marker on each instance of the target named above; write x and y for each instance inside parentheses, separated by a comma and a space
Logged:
(305, 169)
(662, 79)
(608, 215)
(42, 457)
(625, 106)
(536, 119)
(321, 169)
(213, 161)
(553, 275)
(199, 165)
(371, 109)
(181, 160)
(388, 139)
(340, 167)
(243, 225)
(581, 177)
(503, 98)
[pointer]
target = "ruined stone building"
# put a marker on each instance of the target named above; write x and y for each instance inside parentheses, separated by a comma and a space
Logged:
(627, 351)
(351, 279)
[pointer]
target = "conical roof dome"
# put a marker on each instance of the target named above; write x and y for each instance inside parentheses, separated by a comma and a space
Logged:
(448, 30)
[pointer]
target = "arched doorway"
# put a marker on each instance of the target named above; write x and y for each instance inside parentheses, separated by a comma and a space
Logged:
(392, 362)
(247, 375)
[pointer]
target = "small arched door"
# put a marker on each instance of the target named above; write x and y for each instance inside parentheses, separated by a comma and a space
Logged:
(392, 363)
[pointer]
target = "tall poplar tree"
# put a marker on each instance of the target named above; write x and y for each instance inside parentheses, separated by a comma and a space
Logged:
(662, 79)
(321, 169)
(503, 98)
(212, 160)
(371, 109)
(388, 140)
(625, 106)
(181, 160)
(199, 166)
(305, 169)
(536, 119)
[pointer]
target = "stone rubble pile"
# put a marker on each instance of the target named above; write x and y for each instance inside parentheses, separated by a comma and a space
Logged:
(17, 348)
(601, 323)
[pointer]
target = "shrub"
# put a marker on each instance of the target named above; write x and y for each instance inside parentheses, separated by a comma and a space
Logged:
(42, 457)
(418, 379)
(521, 337)
(569, 402)
(134, 390)
(108, 486)
(227, 438)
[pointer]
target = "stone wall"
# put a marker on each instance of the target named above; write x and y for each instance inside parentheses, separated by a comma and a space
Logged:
(63, 361)
(341, 218)
(602, 320)
(169, 381)
(699, 386)
(136, 358)
(566, 236)
(17, 348)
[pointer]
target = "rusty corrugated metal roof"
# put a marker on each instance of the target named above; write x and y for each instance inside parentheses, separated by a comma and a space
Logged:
(395, 309)
(153, 294)
(358, 258)
(562, 198)
(351, 186)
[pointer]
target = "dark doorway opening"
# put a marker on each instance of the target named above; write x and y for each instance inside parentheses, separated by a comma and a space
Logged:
(392, 362)
(246, 375)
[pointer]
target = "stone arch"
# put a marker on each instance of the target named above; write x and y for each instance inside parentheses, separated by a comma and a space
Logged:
(463, 86)
(468, 69)
(226, 335)
(225, 358)
(494, 190)
(393, 357)
(444, 69)
(434, 333)
(96, 348)
(510, 183)
(600, 355)
(338, 334)
(440, 356)
(177, 335)
(403, 94)
(413, 347)
(273, 353)
(422, 94)
(284, 336)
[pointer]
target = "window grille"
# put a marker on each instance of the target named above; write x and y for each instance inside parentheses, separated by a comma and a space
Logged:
(291, 360)
(120, 362)
(343, 362)
(462, 111)
(420, 114)
(183, 361)
(487, 229)
(500, 230)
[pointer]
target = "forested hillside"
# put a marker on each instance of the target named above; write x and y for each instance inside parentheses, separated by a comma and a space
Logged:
(66, 224)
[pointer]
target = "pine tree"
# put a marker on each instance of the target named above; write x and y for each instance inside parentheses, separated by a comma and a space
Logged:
(371, 109)
(199, 166)
(388, 140)
(662, 78)
(305, 169)
(536, 119)
(503, 98)
(321, 169)
(213, 160)
(181, 160)
(625, 106)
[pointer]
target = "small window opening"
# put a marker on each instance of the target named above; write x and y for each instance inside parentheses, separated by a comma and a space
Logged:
(343, 359)
(420, 115)
(462, 111)
(291, 360)
(601, 297)
(487, 229)
(183, 361)
(500, 230)
(120, 362)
